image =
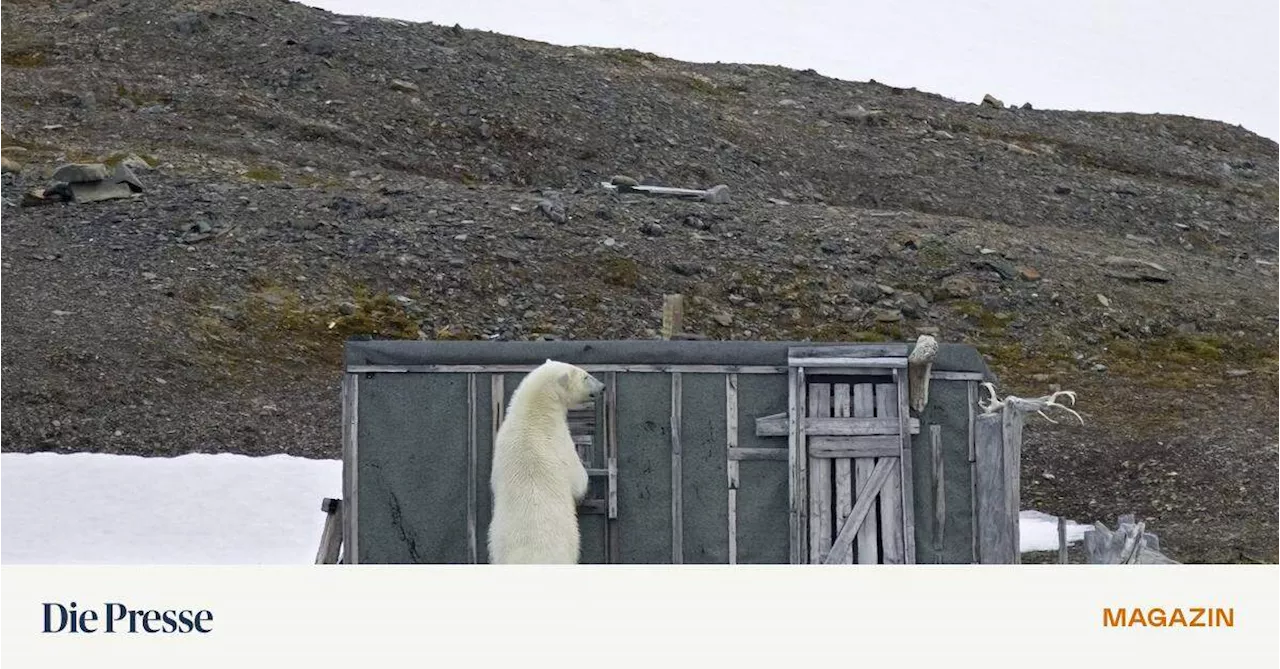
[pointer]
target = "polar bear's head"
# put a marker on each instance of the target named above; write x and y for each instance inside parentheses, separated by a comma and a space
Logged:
(570, 383)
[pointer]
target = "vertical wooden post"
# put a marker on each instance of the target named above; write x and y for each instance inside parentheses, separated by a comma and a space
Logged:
(797, 461)
(820, 507)
(906, 467)
(614, 552)
(939, 493)
(497, 412)
(350, 482)
(996, 540)
(1062, 541)
(677, 476)
(1011, 433)
(672, 315)
(880, 400)
(842, 407)
(473, 469)
(731, 465)
(973, 472)
(331, 537)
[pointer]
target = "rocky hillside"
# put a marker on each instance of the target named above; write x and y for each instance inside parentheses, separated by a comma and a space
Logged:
(305, 177)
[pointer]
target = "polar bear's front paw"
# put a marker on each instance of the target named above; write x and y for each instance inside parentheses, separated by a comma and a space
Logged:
(580, 485)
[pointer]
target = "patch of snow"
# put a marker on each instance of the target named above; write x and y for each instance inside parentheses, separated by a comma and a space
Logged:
(1039, 531)
(94, 508)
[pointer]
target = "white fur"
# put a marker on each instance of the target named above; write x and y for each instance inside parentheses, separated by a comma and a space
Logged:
(537, 478)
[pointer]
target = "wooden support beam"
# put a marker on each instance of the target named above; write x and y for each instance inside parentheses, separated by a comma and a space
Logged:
(844, 541)
(995, 525)
(613, 552)
(939, 492)
(672, 315)
(797, 459)
(1062, 540)
(740, 454)
(473, 401)
(677, 473)
(817, 364)
(871, 400)
(854, 351)
(331, 536)
(841, 407)
(731, 464)
(820, 503)
(906, 468)
(777, 425)
(884, 446)
(350, 473)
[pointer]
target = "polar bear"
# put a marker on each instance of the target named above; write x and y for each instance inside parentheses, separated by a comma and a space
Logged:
(538, 479)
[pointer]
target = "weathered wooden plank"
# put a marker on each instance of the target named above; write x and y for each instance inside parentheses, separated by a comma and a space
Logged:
(843, 542)
(677, 475)
(777, 426)
(497, 409)
(602, 368)
(939, 375)
(672, 315)
(798, 467)
(331, 535)
(868, 536)
(739, 454)
(473, 435)
(851, 427)
(841, 407)
(1062, 540)
(581, 426)
(883, 534)
(850, 371)
(817, 365)
(972, 388)
(995, 526)
(350, 481)
(906, 466)
(844, 448)
(935, 375)
(939, 491)
(795, 434)
(774, 425)
(731, 467)
(855, 351)
(1011, 428)
(820, 506)
(613, 548)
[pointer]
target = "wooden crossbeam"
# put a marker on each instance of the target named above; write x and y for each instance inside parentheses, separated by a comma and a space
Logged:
(819, 363)
(855, 447)
(777, 425)
(844, 540)
(737, 454)
(855, 351)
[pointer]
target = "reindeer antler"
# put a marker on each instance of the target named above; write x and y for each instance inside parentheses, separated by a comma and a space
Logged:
(1038, 404)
